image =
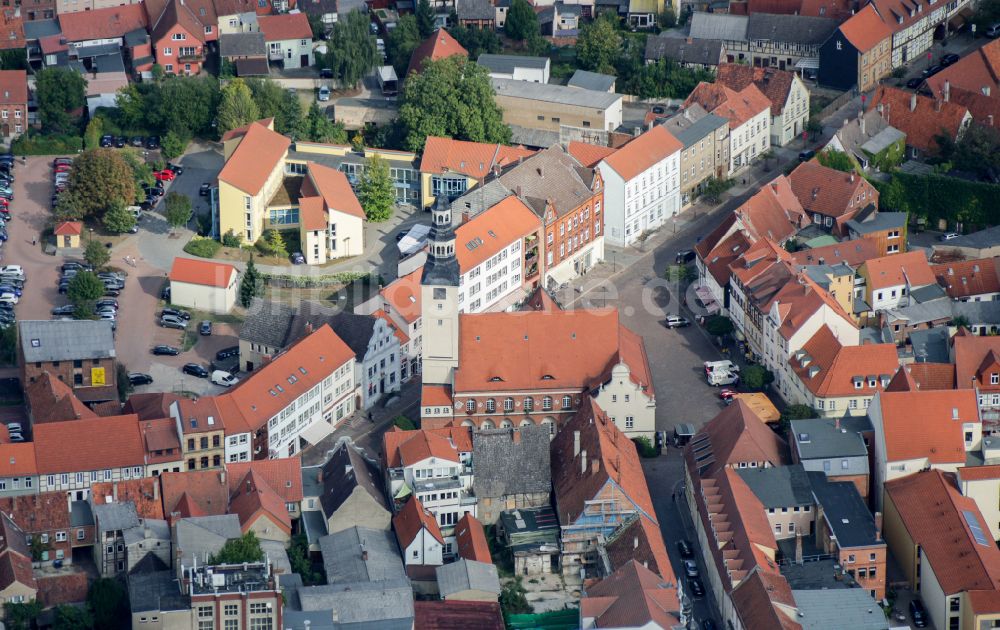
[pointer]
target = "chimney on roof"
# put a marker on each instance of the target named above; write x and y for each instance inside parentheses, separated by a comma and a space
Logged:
(576, 443)
(222, 476)
(798, 546)
(583, 462)
(878, 526)
(937, 105)
(156, 489)
(946, 90)
(309, 328)
(690, 40)
(986, 90)
(595, 466)
(852, 177)
(539, 169)
(635, 542)
(989, 120)
(913, 101)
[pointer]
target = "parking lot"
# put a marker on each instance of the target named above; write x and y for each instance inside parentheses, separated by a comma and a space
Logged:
(139, 303)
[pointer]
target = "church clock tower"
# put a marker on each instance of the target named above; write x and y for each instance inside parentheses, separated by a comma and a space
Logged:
(439, 299)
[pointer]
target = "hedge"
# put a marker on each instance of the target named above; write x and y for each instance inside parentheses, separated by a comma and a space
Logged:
(301, 282)
(937, 197)
(202, 247)
(34, 144)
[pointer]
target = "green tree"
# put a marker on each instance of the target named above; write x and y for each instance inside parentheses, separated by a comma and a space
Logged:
(795, 412)
(756, 377)
(680, 273)
(232, 239)
(60, 91)
(714, 187)
(476, 40)
(174, 144)
(667, 19)
(21, 616)
(451, 97)
(124, 385)
(108, 604)
(837, 160)
(72, 618)
(185, 104)
(268, 96)
(513, 598)
(298, 557)
(978, 150)
(272, 243)
(644, 446)
(131, 106)
(521, 22)
(960, 321)
(351, 51)
(401, 42)
(662, 79)
(425, 18)
(288, 119)
(8, 345)
(719, 325)
(814, 126)
(251, 284)
(403, 423)
(599, 43)
(376, 191)
(119, 219)
(92, 135)
(236, 107)
(178, 209)
(84, 289)
(246, 548)
(317, 26)
(14, 59)
(96, 254)
(142, 171)
(67, 208)
(99, 179)
(319, 128)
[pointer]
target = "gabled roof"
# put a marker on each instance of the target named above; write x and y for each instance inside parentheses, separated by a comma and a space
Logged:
(634, 597)
(464, 575)
(283, 475)
(88, 444)
(761, 601)
(254, 498)
(286, 26)
(17, 459)
(829, 370)
(735, 435)
(550, 178)
(194, 493)
(406, 448)
(52, 400)
(968, 277)
(336, 191)
(404, 294)
(793, 29)
(588, 154)
(143, 493)
(651, 148)
(865, 29)
(108, 23)
(972, 356)
(438, 46)
(470, 540)
(921, 118)
(773, 212)
(640, 541)
(177, 13)
(66, 228)
(910, 268)
(735, 106)
(773, 83)
(612, 460)
(474, 159)
(973, 72)
(944, 524)
(413, 518)
(204, 272)
(587, 80)
(927, 424)
(257, 155)
(830, 192)
(706, 52)
(490, 232)
(510, 462)
(348, 468)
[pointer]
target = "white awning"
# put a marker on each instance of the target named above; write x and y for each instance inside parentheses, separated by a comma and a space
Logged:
(316, 432)
(705, 296)
(807, 63)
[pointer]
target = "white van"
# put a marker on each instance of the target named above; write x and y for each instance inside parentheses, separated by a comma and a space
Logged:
(726, 365)
(722, 377)
(221, 377)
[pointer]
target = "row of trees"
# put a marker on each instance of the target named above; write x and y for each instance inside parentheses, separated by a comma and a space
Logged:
(243, 101)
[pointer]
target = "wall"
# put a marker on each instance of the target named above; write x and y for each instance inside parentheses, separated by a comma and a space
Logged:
(290, 52)
(65, 371)
(787, 517)
(621, 398)
(477, 294)
(203, 297)
(932, 594)
(901, 546)
(548, 116)
(267, 529)
(749, 140)
(359, 509)
(790, 124)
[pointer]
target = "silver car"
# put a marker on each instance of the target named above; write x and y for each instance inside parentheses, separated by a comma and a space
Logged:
(172, 321)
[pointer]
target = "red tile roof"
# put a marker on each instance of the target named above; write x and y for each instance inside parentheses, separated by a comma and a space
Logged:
(404, 295)
(17, 459)
(405, 448)
(68, 228)
(199, 415)
(852, 253)
(634, 597)
(612, 460)
(438, 46)
(109, 23)
(978, 473)
(735, 435)
(474, 159)
(391, 323)
(453, 614)
(470, 538)
(977, 70)
(145, 493)
(44, 512)
(588, 154)
(435, 395)
(798, 301)
(194, 493)
(411, 519)
(14, 91)
(866, 29)
(910, 268)
(728, 252)
(764, 600)
(204, 272)
(774, 212)
(278, 28)
(312, 215)
(924, 121)
(241, 131)
(254, 498)
(830, 192)
(336, 191)
(52, 400)
(935, 514)
(840, 368)
(258, 154)
(735, 106)
(642, 542)
(971, 353)
(284, 475)
(933, 375)
(11, 31)
(773, 83)
(651, 148)
(16, 568)
(492, 231)
(927, 424)
(88, 444)
(968, 277)
(981, 107)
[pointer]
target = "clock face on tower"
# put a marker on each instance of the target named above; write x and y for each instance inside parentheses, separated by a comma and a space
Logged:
(440, 293)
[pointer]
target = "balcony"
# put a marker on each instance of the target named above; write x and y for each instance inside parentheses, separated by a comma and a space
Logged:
(191, 57)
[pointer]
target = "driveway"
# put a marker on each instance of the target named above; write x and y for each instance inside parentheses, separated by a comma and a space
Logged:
(201, 164)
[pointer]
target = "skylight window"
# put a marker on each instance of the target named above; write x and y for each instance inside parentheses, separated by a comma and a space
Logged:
(292, 379)
(977, 531)
(303, 370)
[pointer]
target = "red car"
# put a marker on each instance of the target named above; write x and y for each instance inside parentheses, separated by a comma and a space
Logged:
(165, 175)
(61, 168)
(727, 394)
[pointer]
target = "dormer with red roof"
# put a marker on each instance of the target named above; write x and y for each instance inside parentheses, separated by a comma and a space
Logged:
(419, 536)
(975, 280)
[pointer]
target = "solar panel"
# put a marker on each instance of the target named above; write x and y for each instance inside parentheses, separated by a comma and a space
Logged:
(977, 531)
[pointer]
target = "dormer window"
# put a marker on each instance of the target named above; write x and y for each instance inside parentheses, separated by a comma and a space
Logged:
(995, 378)
(871, 381)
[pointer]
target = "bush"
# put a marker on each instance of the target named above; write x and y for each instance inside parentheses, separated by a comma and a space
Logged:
(36, 144)
(645, 447)
(174, 144)
(718, 326)
(202, 247)
(271, 243)
(756, 377)
(404, 423)
(231, 239)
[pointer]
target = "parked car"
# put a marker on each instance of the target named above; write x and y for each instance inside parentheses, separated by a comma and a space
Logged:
(153, 143)
(324, 93)
(176, 313)
(807, 155)
(9, 298)
(676, 321)
(165, 293)
(696, 587)
(195, 370)
(204, 188)
(949, 59)
(914, 83)
(684, 548)
(12, 269)
(107, 141)
(72, 264)
(120, 142)
(298, 259)
(690, 568)
(221, 377)
(949, 235)
(225, 353)
(68, 309)
(138, 141)
(107, 302)
(205, 328)
(727, 394)
(166, 175)
(165, 351)
(684, 256)
(62, 160)
(931, 71)
(138, 378)
(176, 169)
(6, 288)
(918, 613)
(169, 321)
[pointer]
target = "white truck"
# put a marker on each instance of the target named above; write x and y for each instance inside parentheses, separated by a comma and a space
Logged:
(719, 377)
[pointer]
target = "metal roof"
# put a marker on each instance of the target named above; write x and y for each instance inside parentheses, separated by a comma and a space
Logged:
(718, 26)
(505, 64)
(587, 80)
(560, 94)
(61, 340)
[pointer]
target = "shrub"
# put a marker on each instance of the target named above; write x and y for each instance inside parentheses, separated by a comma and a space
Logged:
(36, 144)
(404, 423)
(645, 447)
(231, 239)
(202, 247)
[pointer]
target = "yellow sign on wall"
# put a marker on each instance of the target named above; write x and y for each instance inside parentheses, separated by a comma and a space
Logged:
(97, 376)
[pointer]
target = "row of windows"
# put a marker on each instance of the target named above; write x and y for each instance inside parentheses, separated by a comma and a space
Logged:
(509, 404)
(95, 475)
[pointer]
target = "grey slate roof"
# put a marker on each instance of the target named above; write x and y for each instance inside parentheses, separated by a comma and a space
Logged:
(930, 345)
(533, 138)
(719, 26)
(881, 221)
(348, 468)
(505, 64)
(990, 237)
(59, 340)
(475, 10)
(978, 312)
(355, 330)
(779, 486)
(136, 37)
(932, 311)
(467, 575)
(321, 7)
(551, 174)
(559, 94)
(105, 64)
(502, 466)
(242, 45)
(159, 591)
(798, 29)
(41, 28)
(376, 606)
(479, 199)
(882, 140)
(586, 80)
(97, 50)
(838, 608)
(343, 562)
(80, 514)
(158, 530)
(116, 516)
(204, 535)
(275, 552)
(927, 293)
(693, 124)
(268, 323)
(849, 518)
(706, 52)
(819, 438)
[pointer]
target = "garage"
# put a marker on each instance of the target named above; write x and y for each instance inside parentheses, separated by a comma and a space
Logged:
(204, 285)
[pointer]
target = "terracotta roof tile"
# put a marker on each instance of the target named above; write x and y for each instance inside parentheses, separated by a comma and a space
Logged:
(968, 277)
(411, 519)
(241, 131)
(44, 512)
(88, 444)
(909, 268)
(830, 192)
(286, 26)
(435, 395)
(642, 542)
(865, 29)
(762, 599)
(194, 493)
(470, 538)
(16, 568)
(176, 13)
(391, 323)
(11, 31)
(935, 514)
(735, 106)
(977, 70)
(927, 424)
(14, 91)
(979, 473)
(17, 459)
(774, 212)
(145, 493)
(284, 475)
(474, 159)
(51, 400)
(108, 23)
(933, 375)
(773, 83)
(336, 191)
(829, 369)
(492, 231)
(588, 154)
(453, 614)
(924, 121)
(728, 252)
(981, 106)
(311, 213)
(438, 46)
(404, 295)
(852, 253)
(640, 154)
(254, 498)
(970, 353)
(405, 448)
(257, 155)
(735, 435)
(204, 272)
(633, 596)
